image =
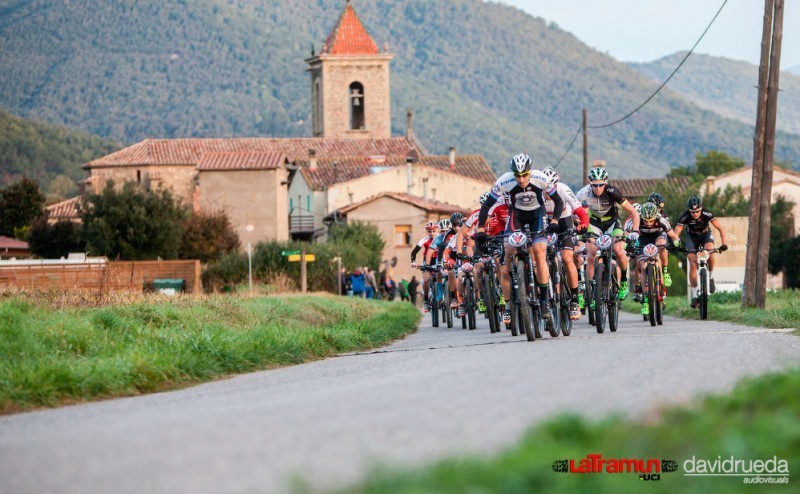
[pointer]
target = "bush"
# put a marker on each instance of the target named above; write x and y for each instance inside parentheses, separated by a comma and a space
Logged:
(53, 241)
(207, 236)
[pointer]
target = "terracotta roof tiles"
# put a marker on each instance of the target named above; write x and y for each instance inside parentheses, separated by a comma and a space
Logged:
(425, 204)
(189, 151)
(349, 36)
(643, 187)
(241, 161)
(64, 210)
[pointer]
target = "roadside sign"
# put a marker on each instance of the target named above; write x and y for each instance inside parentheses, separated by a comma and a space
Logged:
(296, 258)
(290, 253)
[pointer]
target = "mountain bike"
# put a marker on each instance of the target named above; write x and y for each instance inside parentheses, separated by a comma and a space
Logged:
(470, 303)
(703, 277)
(434, 294)
(490, 288)
(605, 286)
(526, 314)
(652, 284)
(559, 291)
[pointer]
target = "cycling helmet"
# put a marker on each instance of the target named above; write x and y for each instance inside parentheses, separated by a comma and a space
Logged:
(656, 199)
(484, 197)
(521, 164)
(649, 211)
(694, 202)
(637, 207)
(598, 173)
(456, 219)
(444, 224)
(431, 226)
(551, 174)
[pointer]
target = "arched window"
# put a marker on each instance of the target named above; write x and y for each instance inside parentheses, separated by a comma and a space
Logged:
(356, 95)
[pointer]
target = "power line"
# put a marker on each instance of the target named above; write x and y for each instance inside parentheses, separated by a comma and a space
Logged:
(656, 91)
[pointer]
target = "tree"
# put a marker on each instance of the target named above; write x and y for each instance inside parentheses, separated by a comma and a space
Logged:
(361, 244)
(53, 241)
(20, 204)
(712, 163)
(781, 231)
(132, 224)
(207, 237)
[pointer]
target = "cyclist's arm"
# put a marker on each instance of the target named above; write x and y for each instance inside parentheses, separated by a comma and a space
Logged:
(631, 211)
(414, 252)
(558, 204)
(719, 228)
(461, 237)
(582, 215)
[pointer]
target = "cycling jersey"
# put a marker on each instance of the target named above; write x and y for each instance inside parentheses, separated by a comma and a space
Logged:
(526, 202)
(424, 244)
(571, 203)
(602, 207)
(698, 225)
(660, 225)
(498, 218)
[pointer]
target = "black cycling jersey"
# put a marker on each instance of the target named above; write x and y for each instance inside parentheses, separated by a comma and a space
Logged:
(602, 207)
(661, 225)
(698, 225)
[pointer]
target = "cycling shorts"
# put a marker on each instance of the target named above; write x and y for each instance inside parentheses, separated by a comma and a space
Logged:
(695, 241)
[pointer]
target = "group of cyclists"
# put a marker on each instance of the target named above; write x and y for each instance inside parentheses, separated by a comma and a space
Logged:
(537, 202)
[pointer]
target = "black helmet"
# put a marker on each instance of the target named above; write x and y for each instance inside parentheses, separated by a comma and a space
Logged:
(656, 199)
(694, 202)
(456, 219)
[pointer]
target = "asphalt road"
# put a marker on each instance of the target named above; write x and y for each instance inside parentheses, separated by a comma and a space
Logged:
(437, 393)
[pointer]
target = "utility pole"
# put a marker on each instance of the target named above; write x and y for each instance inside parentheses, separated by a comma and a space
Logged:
(755, 284)
(303, 283)
(585, 151)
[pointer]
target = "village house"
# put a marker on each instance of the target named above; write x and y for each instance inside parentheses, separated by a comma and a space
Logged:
(282, 188)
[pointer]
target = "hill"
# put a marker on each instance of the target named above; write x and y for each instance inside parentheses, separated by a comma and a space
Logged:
(727, 87)
(483, 77)
(51, 155)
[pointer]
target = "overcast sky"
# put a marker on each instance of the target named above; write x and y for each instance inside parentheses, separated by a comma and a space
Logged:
(646, 30)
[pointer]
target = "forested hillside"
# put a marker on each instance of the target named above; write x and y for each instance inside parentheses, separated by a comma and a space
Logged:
(727, 87)
(483, 77)
(51, 155)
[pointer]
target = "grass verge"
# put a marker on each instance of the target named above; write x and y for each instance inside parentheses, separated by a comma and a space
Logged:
(782, 309)
(757, 420)
(50, 357)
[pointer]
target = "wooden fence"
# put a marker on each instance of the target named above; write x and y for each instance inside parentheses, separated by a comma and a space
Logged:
(131, 276)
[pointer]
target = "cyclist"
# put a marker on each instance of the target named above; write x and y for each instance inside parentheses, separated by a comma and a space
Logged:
(447, 257)
(454, 247)
(654, 229)
(637, 287)
(658, 200)
(433, 256)
(567, 243)
(696, 220)
(602, 200)
(524, 187)
(424, 244)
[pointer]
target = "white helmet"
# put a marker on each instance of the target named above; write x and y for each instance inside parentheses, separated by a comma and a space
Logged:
(551, 174)
(445, 224)
(484, 197)
(521, 164)
(637, 207)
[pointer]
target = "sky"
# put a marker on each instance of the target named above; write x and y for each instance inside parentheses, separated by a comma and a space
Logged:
(646, 30)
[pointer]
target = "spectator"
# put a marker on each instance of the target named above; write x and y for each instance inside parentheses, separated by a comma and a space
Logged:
(403, 286)
(345, 281)
(371, 284)
(413, 287)
(390, 286)
(382, 284)
(357, 283)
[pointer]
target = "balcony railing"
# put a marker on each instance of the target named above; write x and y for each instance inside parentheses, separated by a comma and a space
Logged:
(301, 223)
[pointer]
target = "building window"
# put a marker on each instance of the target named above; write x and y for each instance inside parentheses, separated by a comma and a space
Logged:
(317, 100)
(402, 235)
(138, 176)
(356, 106)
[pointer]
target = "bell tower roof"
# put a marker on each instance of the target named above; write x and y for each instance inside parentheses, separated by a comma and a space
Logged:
(349, 36)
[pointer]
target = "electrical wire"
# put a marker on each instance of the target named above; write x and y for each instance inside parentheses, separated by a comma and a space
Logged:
(654, 93)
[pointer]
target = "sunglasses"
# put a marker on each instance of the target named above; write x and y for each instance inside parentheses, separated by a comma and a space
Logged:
(597, 186)
(520, 175)
(695, 210)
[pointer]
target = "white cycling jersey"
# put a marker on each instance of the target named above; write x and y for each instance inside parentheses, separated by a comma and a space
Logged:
(568, 197)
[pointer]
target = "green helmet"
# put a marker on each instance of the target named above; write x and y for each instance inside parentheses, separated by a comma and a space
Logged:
(598, 173)
(649, 211)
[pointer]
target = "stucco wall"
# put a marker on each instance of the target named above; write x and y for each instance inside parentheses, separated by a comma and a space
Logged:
(254, 198)
(441, 186)
(178, 178)
(385, 213)
(298, 194)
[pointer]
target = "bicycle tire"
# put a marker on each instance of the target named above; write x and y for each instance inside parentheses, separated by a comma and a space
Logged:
(652, 294)
(487, 292)
(703, 295)
(600, 297)
(434, 305)
(524, 308)
(613, 299)
(566, 299)
(554, 325)
(588, 297)
(469, 302)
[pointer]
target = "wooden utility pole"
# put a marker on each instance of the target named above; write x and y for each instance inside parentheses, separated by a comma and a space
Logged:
(757, 262)
(585, 151)
(303, 282)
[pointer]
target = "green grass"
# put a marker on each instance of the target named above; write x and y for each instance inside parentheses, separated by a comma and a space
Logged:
(50, 357)
(758, 420)
(782, 309)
